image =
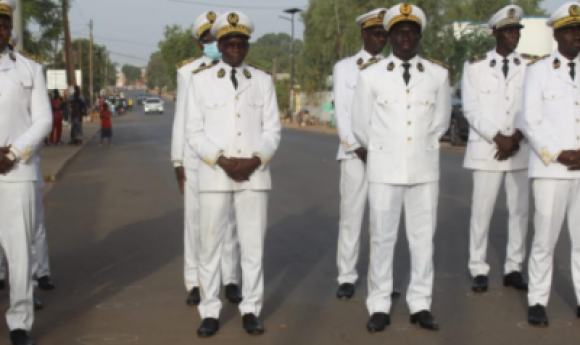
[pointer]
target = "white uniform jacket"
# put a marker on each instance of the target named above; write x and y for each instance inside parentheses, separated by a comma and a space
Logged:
(492, 104)
(25, 113)
(181, 153)
(242, 122)
(400, 125)
(552, 115)
(345, 76)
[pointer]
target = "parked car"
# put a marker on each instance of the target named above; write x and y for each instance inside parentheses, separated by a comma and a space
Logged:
(458, 132)
(153, 105)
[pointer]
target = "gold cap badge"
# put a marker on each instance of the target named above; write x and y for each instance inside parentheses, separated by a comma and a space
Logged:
(575, 10)
(211, 16)
(512, 13)
(233, 19)
(382, 15)
(222, 73)
(406, 9)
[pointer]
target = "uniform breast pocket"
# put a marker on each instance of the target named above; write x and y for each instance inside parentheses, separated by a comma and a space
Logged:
(213, 107)
(555, 101)
(387, 102)
(255, 106)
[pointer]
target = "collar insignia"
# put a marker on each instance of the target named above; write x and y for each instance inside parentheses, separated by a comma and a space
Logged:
(221, 73)
(492, 63)
(359, 61)
(556, 63)
(247, 74)
(517, 61)
(391, 66)
(420, 67)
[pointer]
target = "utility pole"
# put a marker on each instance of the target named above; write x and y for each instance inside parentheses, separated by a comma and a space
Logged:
(70, 71)
(338, 34)
(91, 63)
(292, 12)
(17, 24)
(80, 53)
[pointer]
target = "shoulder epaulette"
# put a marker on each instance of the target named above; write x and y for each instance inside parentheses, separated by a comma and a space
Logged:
(368, 63)
(437, 62)
(529, 56)
(185, 62)
(477, 58)
(30, 56)
(204, 67)
(259, 69)
(537, 59)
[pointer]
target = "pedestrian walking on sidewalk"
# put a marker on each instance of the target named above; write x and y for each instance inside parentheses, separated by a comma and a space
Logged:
(106, 125)
(56, 133)
(78, 109)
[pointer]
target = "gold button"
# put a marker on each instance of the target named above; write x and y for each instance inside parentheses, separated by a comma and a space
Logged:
(239, 133)
(577, 120)
(577, 103)
(408, 107)
(237, 98)
(239, 152)
(239, 115)
(409, 139)
(409, 123)
(408, 91)
(507, 98)
(509, 128)
(575, 86)
(508, 112)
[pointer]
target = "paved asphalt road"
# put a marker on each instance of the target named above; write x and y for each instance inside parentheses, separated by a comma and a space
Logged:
(115, 234)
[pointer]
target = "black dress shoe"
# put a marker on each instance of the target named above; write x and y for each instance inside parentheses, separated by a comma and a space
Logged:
(425, 319)
(537, 316)
(345, 291)
(479, 284)
(20, 337)
(37, 303)
(378, 322)
(209, 327)
(578, 312)
(194, 297)
(2, 284)
(515, 280)
(45, 283)
(233, 294)
(252, 324)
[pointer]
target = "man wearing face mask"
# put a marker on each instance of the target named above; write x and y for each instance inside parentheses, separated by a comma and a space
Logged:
(352, 156)
(186, 164)
(233, 124)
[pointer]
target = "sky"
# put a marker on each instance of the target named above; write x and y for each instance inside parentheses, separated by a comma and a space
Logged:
(131, 29)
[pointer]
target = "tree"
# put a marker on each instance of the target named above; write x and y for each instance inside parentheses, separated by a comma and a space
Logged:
(45, 16)
(177, 46)
(132, 73)
(273, 47)
(282, 94)
(156, 72)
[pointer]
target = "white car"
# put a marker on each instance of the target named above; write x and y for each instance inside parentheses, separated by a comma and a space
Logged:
(153, 105)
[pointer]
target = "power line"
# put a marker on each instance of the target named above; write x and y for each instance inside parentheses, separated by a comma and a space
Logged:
(265, 8)
(125, 41)
(127, 56)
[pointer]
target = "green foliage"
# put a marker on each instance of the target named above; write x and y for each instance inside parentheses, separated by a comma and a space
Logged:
(132, 73)
(177, 46)
(331, 33)
(283, 94)
(45, 16)
(156, 72)
(273, 49)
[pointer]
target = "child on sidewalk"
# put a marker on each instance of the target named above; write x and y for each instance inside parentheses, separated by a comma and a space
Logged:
(106, 125)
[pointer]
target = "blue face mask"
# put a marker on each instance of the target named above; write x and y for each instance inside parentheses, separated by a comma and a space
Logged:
(211, 51)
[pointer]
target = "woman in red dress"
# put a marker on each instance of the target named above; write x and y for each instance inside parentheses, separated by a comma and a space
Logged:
(56, 134)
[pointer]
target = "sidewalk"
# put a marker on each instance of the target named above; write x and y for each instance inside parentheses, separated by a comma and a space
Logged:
(54, 159)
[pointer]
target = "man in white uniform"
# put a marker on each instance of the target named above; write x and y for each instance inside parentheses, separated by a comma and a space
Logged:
(186, 164)
(401, 109)
(497, 151)
(233, 125)
(352, 157)
(552, 124)
(26, 120)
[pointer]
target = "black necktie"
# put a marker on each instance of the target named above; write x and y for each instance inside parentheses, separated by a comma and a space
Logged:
(505, 67)
(572, 71)
(234, 80)
(406, 74)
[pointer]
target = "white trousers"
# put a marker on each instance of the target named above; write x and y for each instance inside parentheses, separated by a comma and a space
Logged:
(554, 200)
(230, 263)
(386, 203)
(486, 186)
(250, 211)
(17, 220)
(353, 199)
(39, 259)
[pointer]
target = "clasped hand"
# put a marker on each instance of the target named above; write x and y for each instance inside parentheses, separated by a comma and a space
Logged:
(5, 163)
(507, 146)
(239, 169)
(570, 158)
